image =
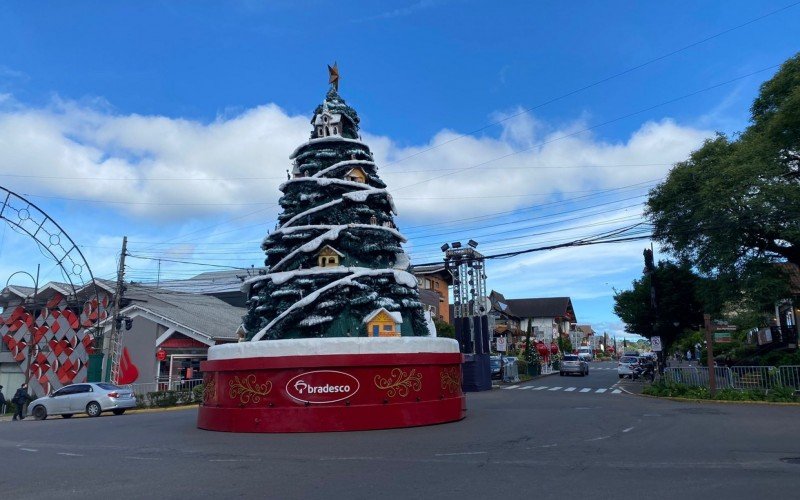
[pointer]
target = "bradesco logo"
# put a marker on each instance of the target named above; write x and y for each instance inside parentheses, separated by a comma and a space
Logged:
(322, 386)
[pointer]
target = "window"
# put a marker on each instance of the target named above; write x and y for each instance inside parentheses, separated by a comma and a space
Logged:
(82, 388)
(387, 328)
(332, 260)
(436, 285)
(335, 130)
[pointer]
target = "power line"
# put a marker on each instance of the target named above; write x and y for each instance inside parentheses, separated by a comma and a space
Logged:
(587, 129)
(599, 82)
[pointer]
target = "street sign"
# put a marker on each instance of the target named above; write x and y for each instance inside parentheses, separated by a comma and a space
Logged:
(655, 343)
(501, 344)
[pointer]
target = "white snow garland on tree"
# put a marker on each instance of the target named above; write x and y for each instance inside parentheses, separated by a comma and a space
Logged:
(361, 196)
(310, 211)
(331, 138)
(325, 181)
(342, 164)
(401, 277)
(331, 235)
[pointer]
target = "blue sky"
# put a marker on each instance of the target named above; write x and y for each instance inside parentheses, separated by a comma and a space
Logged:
(172, 122)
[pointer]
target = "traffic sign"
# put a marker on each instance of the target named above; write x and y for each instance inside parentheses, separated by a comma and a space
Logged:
(501, 344)
(655, 343)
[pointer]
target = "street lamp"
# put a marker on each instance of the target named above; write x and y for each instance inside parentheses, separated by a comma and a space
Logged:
(33, 301)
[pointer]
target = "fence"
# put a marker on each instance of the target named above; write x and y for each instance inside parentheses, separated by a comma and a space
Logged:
(511, 372)
(143, 391)
(762, 378)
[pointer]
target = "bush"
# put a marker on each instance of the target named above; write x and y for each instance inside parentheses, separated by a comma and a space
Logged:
(197, 393)
(671, 389)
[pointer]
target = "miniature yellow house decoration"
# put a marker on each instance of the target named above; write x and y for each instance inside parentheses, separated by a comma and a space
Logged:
(328, 257)
(383, 323)
(356, 175)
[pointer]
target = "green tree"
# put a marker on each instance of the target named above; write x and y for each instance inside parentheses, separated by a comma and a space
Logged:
(731, 208)
(678, 298)
(444, 329)
(335, 202)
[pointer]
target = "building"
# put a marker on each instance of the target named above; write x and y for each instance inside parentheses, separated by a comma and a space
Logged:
(170, 332)
(434, 281)
(502, 319)
(550, 317)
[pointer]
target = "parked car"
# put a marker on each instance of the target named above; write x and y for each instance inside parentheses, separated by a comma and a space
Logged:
(494, 364)
(92, 398)
(626, 365)
(572, 363)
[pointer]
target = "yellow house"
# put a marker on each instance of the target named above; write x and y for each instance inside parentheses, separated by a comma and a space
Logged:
(328, 257)
(383, 323)
(356, 175)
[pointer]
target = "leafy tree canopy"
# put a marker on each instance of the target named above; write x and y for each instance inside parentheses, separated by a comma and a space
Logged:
(731, 209)
(678, 296)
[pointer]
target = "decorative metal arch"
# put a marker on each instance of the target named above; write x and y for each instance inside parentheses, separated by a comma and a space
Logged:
(33, 221)
(54, 317)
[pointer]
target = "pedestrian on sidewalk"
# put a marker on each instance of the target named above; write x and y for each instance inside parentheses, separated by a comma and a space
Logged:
(2, 402)
(20, 399)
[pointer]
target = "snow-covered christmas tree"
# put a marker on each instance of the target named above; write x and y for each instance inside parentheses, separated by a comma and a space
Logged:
(336, 267)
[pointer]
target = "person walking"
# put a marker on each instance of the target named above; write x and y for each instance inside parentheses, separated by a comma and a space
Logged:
(2, 402)
(20, 399)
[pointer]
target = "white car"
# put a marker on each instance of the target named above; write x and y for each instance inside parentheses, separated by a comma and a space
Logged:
(626, 365)
(585, 353)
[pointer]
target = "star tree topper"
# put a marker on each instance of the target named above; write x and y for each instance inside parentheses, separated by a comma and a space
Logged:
(333, 72)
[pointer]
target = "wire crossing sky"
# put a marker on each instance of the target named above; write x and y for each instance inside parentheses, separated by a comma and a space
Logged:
(525, 126)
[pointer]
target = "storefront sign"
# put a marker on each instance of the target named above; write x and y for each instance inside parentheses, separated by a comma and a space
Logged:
(322, 386)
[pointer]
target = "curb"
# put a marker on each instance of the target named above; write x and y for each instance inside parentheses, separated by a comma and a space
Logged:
(128, 412)
(713, 401)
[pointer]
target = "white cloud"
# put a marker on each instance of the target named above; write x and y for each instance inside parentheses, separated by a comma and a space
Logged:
(43, 150)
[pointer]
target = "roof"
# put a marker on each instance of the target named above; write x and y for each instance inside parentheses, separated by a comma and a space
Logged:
(203, 314)
(395, 315)
(436, 269)
(547, 307)
(501, 304)
(210, 282)
(586, 329)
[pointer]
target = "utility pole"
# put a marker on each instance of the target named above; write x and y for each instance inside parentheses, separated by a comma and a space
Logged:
(712, 376)
(113, 343)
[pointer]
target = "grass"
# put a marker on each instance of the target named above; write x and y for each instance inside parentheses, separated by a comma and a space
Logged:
(671, 389)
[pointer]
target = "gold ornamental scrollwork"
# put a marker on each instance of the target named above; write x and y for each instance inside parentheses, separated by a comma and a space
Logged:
(210, 389)
(247, 389)
(451, 379)
(399, 383)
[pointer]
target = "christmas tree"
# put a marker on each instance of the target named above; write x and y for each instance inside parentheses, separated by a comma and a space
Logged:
(336, 267)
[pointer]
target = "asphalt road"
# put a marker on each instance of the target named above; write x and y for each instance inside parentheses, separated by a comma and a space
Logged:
(524, 443)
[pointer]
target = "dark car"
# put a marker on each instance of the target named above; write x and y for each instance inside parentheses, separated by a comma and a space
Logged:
(494, 364)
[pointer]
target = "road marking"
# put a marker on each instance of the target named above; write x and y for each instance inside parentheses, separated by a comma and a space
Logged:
(233, 460)
(71, 454)
(585, 389)
(598, 438)
(29, 449)
(527, 387)
(554, 388)
(570, 389)
(616, 391)
(628, 429)
(600, 391)
(511, 387)
(142, 458)
(463, 453)
(540, 388)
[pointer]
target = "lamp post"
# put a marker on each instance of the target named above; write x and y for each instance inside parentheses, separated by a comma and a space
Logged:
(33, 301)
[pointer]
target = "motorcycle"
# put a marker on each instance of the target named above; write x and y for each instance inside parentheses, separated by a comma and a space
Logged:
(646, 372)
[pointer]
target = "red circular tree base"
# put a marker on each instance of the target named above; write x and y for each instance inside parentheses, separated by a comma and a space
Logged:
(333, 392)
